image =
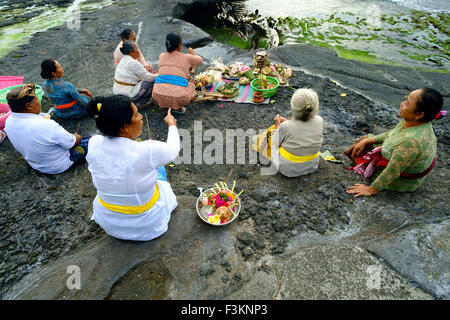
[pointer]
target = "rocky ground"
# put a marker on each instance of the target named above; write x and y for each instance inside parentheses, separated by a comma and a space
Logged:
(300, 238)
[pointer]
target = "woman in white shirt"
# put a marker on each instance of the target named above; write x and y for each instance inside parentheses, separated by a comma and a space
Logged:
(131, 78)
(131, 202)
(293, 145)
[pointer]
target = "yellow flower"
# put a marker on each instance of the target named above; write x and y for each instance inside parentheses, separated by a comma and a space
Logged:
(330, 158)
(215, 219)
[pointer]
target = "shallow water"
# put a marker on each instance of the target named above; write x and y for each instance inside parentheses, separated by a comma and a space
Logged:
(386, 32)
(322, 8)
(412, 33)
(19, 21)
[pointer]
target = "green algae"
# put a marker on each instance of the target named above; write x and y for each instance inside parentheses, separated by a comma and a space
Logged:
(19, 33)
(227, 35)
(415, 39)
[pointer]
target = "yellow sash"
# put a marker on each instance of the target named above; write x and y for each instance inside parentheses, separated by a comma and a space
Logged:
(132, 209)
(293, 158)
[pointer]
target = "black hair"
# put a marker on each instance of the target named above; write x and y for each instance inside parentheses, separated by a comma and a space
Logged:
(127, 47)
(115, 111)
(126, 33)
(430, 103)
(173, 40)
(48, 67)
(18, 105)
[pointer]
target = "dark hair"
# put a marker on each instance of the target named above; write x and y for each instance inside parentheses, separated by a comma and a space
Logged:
(127, 47)
(115, 111)
(126, 33)
(18, 105)
(430, 103)
(173, 40)
(48, 67)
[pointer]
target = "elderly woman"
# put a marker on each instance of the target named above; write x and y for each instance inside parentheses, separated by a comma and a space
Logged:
(172, 88)
(130, 34)
(134, 201)
(68, 101)
(294, 145)
(44, 144)
(407, 153)
(131, 78)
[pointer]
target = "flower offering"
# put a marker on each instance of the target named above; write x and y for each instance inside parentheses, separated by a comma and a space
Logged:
(219, 205)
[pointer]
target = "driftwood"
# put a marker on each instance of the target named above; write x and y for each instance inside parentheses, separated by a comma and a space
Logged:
(205, 98)
(204, 95)
(210, 94)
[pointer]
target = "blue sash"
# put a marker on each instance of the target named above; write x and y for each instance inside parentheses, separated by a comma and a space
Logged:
(175, 80)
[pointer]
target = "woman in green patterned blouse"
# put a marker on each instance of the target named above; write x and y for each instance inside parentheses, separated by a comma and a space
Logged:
(410, 147)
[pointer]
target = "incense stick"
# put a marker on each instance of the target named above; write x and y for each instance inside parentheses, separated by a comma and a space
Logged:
(148, 127)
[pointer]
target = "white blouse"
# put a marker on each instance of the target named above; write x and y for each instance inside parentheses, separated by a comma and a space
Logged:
(124, 173)
(132, 72)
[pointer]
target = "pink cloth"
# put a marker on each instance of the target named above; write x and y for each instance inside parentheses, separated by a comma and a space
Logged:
(119, 55)
(175, 63)
(369, 165)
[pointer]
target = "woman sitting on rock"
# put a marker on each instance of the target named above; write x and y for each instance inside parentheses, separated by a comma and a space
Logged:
(294, 145)
(172, 88)
(131, 78)
(44, 144)
(68, 101)
(134, 200)
(129, 34)
(407, 152)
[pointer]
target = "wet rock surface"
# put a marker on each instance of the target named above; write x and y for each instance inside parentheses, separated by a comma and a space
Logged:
(413, 252)
(45, 221)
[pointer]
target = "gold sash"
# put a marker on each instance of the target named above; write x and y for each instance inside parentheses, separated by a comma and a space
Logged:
(132, 209)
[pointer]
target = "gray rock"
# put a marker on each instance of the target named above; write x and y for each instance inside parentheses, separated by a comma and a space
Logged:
(4, 243)
(207, 268)
(245, 237)
(332, 271)
(421, 254)
(247, 253)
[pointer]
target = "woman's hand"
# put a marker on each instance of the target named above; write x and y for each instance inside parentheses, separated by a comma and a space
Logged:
(359, 147)
(170, 119)
(87, 92)
(149, 68)
(78, 139)
(191, 51)
(279, 120)
(349, 151)
(361, 190)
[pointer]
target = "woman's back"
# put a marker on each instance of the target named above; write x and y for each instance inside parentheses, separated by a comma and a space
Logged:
(302, 138)
(177, 64)
(121, 167)
(58, 90)
(296, 146)
(66, 98)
